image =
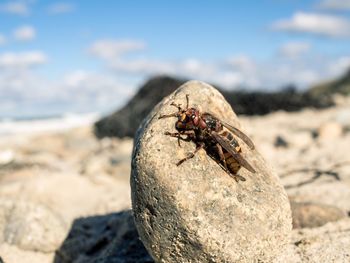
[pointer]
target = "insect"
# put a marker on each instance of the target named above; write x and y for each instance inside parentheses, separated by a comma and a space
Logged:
(213, 135)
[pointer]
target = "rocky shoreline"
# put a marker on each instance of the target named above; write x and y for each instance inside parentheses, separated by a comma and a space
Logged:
(125, 121)
(65, 197)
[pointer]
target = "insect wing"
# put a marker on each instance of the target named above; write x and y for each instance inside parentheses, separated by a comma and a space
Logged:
(226, 145)
(240, 134)
(235, 131)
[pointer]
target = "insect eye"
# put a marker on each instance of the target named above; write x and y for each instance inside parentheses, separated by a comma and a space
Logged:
(193, 116)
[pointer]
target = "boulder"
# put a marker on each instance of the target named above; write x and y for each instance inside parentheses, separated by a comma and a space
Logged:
(196, 212)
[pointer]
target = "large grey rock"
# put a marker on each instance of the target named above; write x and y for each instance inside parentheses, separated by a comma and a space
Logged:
(196, 212)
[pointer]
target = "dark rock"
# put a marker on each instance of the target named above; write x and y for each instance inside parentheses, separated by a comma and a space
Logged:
(111, 238)
(280, 142)
(125, 121)
(260, 102)
(196, 212)
(337, 86)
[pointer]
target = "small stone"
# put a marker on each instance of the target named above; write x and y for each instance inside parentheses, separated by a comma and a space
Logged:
(306, 214)
(30, 226)
(196, 212)
(280, 142)
(13, 254)
(330, 130)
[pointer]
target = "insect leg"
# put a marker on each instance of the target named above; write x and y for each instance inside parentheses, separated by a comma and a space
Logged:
(237, 177)
(172, 134)
(178, 135)
(187, 100)
(191, 155)
(175, 114)
(221, 155)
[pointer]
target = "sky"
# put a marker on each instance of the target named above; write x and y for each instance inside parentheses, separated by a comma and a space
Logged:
(91, 56)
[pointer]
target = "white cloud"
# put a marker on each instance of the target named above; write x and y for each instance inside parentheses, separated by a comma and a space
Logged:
(24, 33)
(340, 65)
(111, 49)
(79, 91)
(3, 40)
(294, 49)
(94, 85)
(185, 68)
(76, 78)
(143, 66)
(188, 68)
(241, 70)
(22, 60)
(241, 62)
(60, 8)
(15, 7)
(335, 5)
(24, 91)
(295, 65)
(313, 23)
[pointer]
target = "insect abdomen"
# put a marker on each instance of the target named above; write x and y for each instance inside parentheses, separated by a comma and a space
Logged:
(232, 164)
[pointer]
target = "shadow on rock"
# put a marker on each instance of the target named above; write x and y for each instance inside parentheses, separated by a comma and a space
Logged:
(111, 238)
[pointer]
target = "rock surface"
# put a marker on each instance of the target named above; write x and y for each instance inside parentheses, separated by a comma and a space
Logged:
(329, 243)
(314, 214)
(196, 212)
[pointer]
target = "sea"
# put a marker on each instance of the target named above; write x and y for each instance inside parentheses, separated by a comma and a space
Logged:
(40, 124)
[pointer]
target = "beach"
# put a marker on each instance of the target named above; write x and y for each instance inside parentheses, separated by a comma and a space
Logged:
(53, 173)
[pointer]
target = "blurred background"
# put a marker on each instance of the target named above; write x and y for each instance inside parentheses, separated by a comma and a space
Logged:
(78, 77)
(88, 57)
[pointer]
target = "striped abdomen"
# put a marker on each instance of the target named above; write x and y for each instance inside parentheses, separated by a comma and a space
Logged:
(231, 163)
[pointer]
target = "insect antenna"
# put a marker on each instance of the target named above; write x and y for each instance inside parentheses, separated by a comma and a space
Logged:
(178, 106)
(187, 100)
(175, 114)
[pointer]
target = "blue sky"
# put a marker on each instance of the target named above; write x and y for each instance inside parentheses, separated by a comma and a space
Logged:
(81, 56)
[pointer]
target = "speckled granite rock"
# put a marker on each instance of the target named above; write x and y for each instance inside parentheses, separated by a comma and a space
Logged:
(195, 212)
